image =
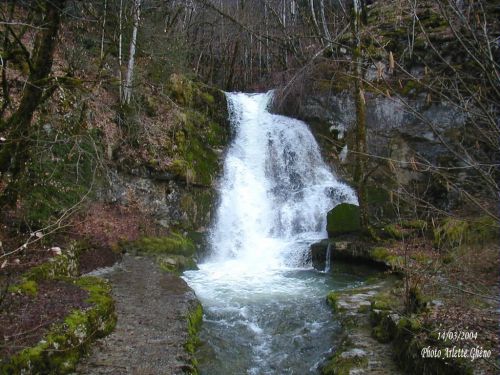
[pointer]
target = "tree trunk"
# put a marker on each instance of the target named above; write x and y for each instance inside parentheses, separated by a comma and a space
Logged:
(120, 73)
(14, 154)
(360, 166)
(323, 21)
(127, 95)
(103, 31)
(266, 22)
(315, 21)
(229, 82)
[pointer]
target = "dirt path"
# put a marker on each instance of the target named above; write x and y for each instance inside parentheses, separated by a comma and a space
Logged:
(149, 338)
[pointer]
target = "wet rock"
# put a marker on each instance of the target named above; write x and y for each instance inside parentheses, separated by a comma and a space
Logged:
(359, 352)
(353, 353)
(350, 249)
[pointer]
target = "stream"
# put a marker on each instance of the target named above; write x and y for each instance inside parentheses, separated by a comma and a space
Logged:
(264, 305)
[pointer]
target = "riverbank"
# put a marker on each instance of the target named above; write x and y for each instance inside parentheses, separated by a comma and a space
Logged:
(431, 320)
(359, 352)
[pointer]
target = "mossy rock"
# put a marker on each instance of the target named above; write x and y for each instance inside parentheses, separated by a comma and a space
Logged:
(333, 300)
(194, 320)
(343, 219)
(380, 254)
(384, 325)
(198, 96)
(174, 253)
(344, 361)
(384, 301)
(60, 349)
(195, 160)
(417, 300)
(173, 244)
(415, 224)
(176, 263)
(383, 255)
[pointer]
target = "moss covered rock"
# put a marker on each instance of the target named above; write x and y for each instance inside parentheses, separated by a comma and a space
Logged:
(393, 231)
(345, 361)
(333, 300)
(176, 263)
(343, 219)
(173, 244)
(174, 253)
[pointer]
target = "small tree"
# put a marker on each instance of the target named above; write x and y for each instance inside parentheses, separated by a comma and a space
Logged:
(360, 165)
(127, 93)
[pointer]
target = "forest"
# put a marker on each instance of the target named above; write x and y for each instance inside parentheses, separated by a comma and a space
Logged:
(229, 186)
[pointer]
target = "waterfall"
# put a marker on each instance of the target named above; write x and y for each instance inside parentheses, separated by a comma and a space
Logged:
(276, 187)
(264, 304)
(328, 259)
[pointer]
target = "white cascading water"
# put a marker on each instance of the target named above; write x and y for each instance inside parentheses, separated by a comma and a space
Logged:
(274, 196)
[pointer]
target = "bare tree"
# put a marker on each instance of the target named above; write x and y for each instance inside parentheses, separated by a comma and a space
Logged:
(360, 166)
(127, 94)
(15, 152)
(120, 38)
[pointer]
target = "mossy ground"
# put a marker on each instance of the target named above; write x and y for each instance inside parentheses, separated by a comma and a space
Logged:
(453, 233)
(409, 314)
(28, 287)
(66, 341)
(406, 318)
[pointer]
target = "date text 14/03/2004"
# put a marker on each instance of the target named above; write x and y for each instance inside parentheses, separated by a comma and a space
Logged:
(457, 335)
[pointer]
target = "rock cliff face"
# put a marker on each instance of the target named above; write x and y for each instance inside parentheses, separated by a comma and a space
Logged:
(171, 202)
(400, 131)
(171, 174)
(398, 127)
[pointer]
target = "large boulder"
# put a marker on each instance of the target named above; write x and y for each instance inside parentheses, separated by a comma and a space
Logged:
(343, 219)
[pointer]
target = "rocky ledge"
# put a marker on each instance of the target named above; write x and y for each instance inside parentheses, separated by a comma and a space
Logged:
(359, 352)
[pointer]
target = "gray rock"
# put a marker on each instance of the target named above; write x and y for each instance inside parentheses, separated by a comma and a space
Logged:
(168, 200)
(353, 353)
